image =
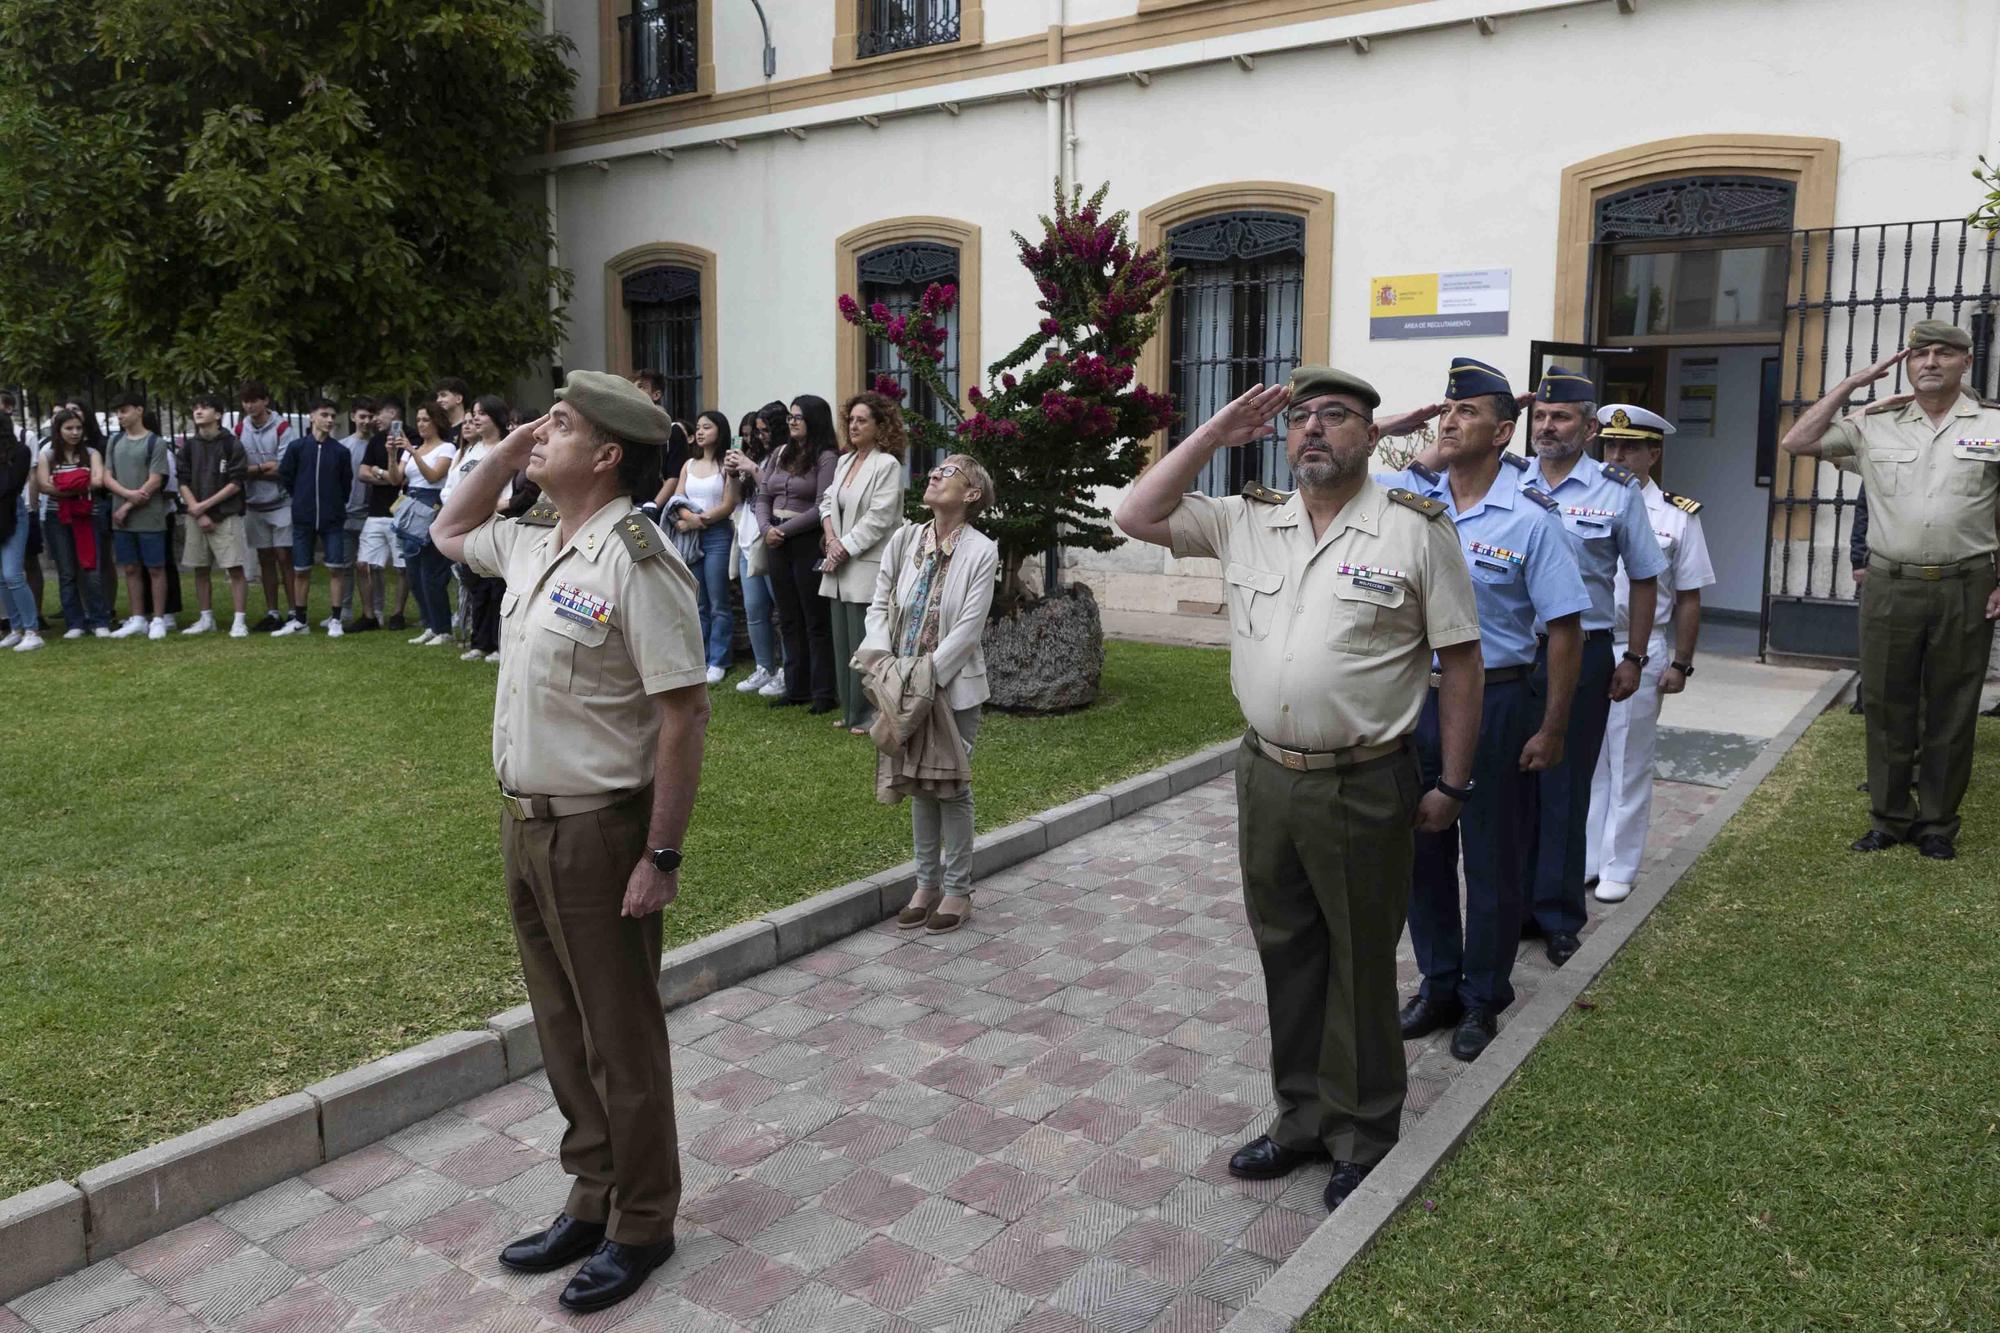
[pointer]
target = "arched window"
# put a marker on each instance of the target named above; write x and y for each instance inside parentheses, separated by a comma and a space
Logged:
(1234, 319)
(896, 276)
(664, 306)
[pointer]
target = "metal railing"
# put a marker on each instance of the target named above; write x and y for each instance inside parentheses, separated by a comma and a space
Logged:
(903, 25)
(659, 50)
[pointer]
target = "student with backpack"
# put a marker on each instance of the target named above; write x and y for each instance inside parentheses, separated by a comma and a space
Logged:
(135, 473)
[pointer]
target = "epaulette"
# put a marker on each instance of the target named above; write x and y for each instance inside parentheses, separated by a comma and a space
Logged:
(1877, 409)
(1423, 504)
(541, 516)
(1540, 497)
(642, 539)
(1264, 495)
(1988, 404)
(1419, 470)
(1621, 474)
(1682, 503)
(1514, 460)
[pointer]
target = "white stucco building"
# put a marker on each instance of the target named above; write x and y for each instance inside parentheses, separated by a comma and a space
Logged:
(1731, 200)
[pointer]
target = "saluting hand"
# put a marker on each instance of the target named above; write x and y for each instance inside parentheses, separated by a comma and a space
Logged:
(514, 449)
(649, 889)
(1407, 423)
(1248, 417)
(1869, 374)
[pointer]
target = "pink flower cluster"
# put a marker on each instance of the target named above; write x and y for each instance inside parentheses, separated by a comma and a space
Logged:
(1098, 374)
(982, 429)
(1088, 419)
(890, 387)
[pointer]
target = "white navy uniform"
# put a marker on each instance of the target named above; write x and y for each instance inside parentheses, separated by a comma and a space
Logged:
(1621, 790)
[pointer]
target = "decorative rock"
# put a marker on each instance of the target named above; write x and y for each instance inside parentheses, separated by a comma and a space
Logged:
(1049, 656)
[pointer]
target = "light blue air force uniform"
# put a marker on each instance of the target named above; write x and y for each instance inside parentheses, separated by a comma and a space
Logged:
(1606, 514)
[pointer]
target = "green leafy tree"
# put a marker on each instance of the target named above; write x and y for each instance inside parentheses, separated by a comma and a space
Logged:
(317, 194)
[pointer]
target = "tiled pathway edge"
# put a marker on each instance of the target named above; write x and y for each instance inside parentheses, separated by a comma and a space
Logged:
(1345, 1236)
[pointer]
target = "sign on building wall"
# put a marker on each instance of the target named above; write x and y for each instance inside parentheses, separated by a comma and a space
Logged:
(1460, 303)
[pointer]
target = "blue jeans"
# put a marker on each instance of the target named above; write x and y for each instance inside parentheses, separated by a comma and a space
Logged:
(759, 604)
(80, 590)
(711, 593)
(430, 574)
(21, 611)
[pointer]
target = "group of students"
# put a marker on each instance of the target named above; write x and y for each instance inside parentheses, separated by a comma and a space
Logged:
(266, 497)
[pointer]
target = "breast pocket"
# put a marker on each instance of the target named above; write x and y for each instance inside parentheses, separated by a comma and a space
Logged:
(1253, 598)
(568, 655)
(1493, 573)
(1367, 614)
(1894, 470)
(1967, 478)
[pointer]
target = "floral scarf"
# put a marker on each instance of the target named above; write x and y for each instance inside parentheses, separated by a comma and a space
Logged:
(931, 557)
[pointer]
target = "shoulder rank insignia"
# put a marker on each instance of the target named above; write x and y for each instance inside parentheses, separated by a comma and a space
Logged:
(1423, 504)
(1418, 469)
(1514, 460)
(1987, 403)
(1621, 474)
(1540, 497)
(1682, 503)
(541, 516)
(642, 539)
(1264, 495)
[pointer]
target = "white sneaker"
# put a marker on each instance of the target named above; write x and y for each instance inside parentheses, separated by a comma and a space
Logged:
(239, 628)
(327, 624)
(29, 642)
(158, 629)
(13, 637)
(493, 656)
(203, 624)
(715, 675)
(756, 680)
(105, 632)
(1611, 891)
(333, 627)
(774, 688)
(472, 655)
(442, 640)
(133, 625)
(291, 627)
(425, 637)
(73, 632)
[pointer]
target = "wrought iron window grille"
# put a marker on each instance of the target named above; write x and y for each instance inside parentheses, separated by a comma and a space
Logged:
(904, 25)
(659, 50)
(896, 276)
(1696, 206)
(664, 305)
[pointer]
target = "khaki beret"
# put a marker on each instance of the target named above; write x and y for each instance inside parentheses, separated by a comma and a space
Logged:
(616, 406)
(1312, 381)
(1927, 331)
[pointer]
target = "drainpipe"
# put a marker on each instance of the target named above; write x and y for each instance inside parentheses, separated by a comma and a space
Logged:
(1062, 172)
(549, 202)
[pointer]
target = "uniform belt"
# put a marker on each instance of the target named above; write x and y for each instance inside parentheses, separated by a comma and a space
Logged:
(1589, 636)
(1896, 569)
(1494, 675)
(1308, 761)
(555, 807)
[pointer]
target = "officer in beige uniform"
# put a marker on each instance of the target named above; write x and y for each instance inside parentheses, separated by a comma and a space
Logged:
(1339, 594)
(597, 739)
(1930, 463)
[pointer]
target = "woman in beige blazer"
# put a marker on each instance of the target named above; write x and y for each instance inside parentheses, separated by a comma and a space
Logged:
(859, 512)
(933, 597)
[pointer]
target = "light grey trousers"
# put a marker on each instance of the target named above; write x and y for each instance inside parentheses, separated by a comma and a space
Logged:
(942, 826)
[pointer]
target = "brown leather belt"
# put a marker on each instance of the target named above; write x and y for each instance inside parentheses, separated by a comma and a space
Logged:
(1309, 761)
(1896, 569)
(526, 807)
(1494, 675)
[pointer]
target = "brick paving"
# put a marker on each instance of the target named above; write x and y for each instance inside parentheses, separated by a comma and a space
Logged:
(1021, 1126)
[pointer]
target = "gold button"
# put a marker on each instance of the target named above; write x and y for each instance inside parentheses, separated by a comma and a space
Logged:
(1288, 657)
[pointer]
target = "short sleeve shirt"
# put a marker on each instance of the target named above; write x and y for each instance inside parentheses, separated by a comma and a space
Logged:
(1684, 545)
(1931, 489)
(1331, 639)
(1607, 517)
(133, 459)
(588, 631)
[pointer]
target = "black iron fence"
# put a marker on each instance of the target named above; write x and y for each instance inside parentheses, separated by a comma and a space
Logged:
(902, 25)
(659, 50)
(1856, 291)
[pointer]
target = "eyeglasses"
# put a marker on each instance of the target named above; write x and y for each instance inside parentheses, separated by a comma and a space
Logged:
(795, 416)
(1328, 417)
(945, 472)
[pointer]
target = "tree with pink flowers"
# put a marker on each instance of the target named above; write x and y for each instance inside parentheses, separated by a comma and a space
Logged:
(1062, 414)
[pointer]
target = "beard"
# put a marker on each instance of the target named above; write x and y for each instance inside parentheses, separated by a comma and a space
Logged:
(1337, 470)
(1548, 446)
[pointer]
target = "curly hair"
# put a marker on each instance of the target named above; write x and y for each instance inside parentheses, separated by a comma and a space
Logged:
(890, 436)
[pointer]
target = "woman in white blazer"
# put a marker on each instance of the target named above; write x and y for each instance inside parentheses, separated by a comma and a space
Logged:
(932, 596)
(859, 511)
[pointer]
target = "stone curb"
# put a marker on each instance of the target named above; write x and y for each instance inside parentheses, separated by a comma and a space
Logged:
(1289, 1293)
(55, 1229)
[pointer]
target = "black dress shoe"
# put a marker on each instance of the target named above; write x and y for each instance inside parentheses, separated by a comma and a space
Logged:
(564, 1242)
(1346, 1178)
(1531, 929)
(269, 623)
(1561, 947)
(822, 707)
(1425, 1014)
(1474, 1032)
(1264, 1158)
(397, 621)
(363, 625)
(1937, 847)
(613, 1273)
(1874, 840)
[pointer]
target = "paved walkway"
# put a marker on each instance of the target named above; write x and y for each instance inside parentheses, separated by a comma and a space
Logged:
(1021, 1126)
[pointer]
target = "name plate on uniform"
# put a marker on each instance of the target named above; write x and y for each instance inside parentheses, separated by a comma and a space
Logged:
(573, 603)
(1979, 451)
(1512, 557)
(1586, 514)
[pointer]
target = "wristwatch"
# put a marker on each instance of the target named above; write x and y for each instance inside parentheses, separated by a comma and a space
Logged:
(1459, 794)
(1637, 659)
(666, 860)
(1685, 668)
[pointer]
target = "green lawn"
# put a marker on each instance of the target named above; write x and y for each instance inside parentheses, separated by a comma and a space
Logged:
(234, 867)
(1780, 1109)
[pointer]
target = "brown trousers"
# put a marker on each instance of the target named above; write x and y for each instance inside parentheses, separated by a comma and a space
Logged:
(593, 981)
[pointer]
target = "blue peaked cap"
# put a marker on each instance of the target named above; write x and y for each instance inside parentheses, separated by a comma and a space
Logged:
(1563, 385)
(1471, 379)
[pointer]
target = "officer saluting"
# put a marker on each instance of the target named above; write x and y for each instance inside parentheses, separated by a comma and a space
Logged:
(597, 740)
(1930, 463)
(1601, 506)
(1621, 793)
(1522, 571)
(1339, 594)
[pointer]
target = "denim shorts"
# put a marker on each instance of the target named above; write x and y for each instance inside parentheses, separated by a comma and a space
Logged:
(139, 548)
(332, 545)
